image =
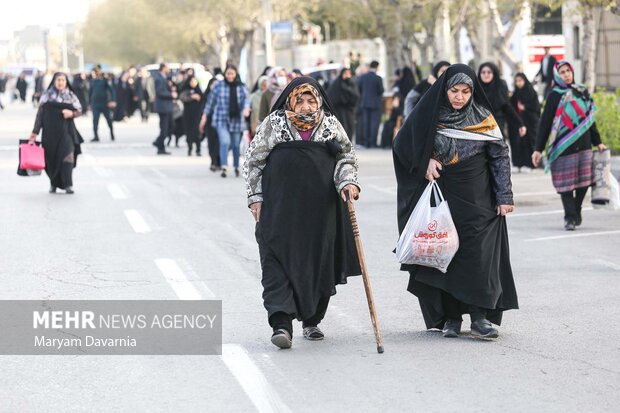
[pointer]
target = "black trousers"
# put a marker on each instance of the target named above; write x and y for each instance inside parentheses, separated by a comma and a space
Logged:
(165, 123)
(284, 320)
(454, 309)
(370, 127)
(101, 110)
(572, 202)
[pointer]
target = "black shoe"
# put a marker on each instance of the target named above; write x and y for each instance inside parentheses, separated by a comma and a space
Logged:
(189, 152)
(282, 338)
(163, 152)
(52, 189)
(213, 168)
(313, 333)
(569, 225)
(578, 220)
(452, 328)
(237, 172)
(223, 174)
(198, 154)
(95, 139)
(483, 329)
(112, 136)
(69, 190)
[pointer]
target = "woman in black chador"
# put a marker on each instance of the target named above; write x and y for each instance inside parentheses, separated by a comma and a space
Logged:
(296, 167)
(496, 91)
(191, 96)
(61, 140)
(524, 101)
(452, 137)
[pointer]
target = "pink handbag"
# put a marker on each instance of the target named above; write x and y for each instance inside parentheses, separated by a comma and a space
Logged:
(32, 157)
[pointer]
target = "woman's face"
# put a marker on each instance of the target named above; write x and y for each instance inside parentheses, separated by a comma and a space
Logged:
(231, 75)
(61, 82)
(441, 70)
(566, 74)
(459, 95)
(193, 83)
(519, 82)
(486, 74)
(306, 103)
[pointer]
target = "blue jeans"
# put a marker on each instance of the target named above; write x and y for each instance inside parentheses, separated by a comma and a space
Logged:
(229, 140)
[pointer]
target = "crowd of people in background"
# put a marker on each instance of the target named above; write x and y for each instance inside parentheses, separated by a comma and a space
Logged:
(224, 119)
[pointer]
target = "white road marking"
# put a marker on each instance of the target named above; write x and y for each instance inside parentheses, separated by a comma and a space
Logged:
(136, 221)
(533, 214)
(88, 157)
(576, 235)
(254, 383)
(102, 172)
(245, 371)
(607, 264)
(117, 191)
(159, 173)
(184, 288)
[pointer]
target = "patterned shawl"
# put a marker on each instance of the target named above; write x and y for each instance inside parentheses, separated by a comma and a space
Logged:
(573, 116)
(472, 122)
(303, 121)
(62, 96)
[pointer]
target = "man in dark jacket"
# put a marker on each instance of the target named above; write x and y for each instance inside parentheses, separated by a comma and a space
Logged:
(102, 98)
(545, 73)
(371, 93)
(164, 95)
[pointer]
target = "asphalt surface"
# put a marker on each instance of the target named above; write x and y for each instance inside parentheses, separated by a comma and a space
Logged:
(559, 353)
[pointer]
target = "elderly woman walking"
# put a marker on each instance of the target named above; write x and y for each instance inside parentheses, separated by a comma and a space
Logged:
(452, 137)
(297, 166)
(568, 124)
(61, 140)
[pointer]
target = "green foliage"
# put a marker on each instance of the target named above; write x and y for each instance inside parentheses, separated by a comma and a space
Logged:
(608, 118)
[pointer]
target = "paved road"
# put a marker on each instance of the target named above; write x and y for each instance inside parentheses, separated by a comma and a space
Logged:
(131, 210)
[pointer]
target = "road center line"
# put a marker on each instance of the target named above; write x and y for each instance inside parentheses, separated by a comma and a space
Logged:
(116, 191)
(254, 383)
(136, 221)
(586, 234)
(184, 288)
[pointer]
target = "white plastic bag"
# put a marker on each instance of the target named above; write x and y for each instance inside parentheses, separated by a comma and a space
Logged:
(429, 238)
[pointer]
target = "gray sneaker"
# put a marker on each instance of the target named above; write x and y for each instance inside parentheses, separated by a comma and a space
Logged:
(483, 329)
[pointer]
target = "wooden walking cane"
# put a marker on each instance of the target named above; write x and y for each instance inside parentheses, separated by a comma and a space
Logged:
(360, 254)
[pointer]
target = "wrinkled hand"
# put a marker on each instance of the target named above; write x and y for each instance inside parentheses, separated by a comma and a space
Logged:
(67, 114)
(504, 210)
(536, 156)
(601, 147)
(352, 191)
(522, 131)
(255, 209)
(433, 170)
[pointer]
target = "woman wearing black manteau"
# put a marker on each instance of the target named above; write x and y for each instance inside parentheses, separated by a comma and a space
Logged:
(191, 96)
(496, 92)
(525, 102)
(296, 169)
(61, 140)
(452, 137)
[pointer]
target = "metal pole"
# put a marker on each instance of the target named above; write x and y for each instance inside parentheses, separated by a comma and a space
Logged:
(47, 50)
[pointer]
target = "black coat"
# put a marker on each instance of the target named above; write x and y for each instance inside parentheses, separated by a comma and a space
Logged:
(344, 95)
(371, 90)
(497, 94)
(480, 273)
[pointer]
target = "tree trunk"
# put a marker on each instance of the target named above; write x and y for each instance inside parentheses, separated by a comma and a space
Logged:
(589, 46)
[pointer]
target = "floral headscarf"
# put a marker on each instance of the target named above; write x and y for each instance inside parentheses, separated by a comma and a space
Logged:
(303, 121)
(62, 96)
